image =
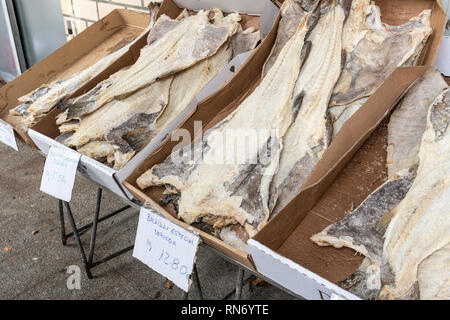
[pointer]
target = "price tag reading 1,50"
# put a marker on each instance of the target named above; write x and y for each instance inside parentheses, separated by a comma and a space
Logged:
(59, 172)
(165, 247)
(7, 135)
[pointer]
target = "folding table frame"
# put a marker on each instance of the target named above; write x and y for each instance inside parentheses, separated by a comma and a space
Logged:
(89, 263)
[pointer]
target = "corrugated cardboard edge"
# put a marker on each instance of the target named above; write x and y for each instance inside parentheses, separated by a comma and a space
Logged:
(301, 279)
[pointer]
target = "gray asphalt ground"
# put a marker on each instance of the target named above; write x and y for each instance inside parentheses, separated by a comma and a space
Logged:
(33, 262)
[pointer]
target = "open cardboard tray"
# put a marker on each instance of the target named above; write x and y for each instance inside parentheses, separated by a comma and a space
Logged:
(264, 15)
(99, 40)
(339, 153)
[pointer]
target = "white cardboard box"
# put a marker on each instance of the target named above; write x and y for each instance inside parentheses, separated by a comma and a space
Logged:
(293, 276)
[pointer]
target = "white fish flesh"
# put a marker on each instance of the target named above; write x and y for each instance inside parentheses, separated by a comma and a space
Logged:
(309, 135)
(224, 192)
(421, 222)
(382, 49)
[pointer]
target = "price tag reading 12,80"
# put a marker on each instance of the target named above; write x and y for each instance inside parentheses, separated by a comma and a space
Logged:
(59, 172)
(165, 247)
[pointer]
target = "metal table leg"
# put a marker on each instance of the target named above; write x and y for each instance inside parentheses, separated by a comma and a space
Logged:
(77, 238)
(239, 281)
(196, 282)
(77, 232)
(61, 220)
(94, 227)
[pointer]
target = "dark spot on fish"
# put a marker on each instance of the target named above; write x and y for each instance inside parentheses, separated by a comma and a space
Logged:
(171, 198)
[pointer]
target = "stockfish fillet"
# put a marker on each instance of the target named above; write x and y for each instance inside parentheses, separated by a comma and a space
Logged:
(382, 49)
(308, 136)
(434, 275)
(360, 229)
(129, 124)
(39, 102)
(192, 40)
(291, 14)
(408, 122)
(149, 102)
(173, 46)
(223, 191)
(421, 222)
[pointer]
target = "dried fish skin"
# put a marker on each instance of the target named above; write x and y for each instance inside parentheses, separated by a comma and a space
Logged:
(192, 40)
(355, 27)
(184, 88)
(45, 98)
(421, 222)
(245, 40)
(373, 57)
(97, 149)
(148, 103)
(131, 123)
(218, 199)
(362, 229)
(79, 107)
(409, 120)
(359, 229)
(308, 137)
(292, 11)
(433, 275)
(378, 54)
(188, 83)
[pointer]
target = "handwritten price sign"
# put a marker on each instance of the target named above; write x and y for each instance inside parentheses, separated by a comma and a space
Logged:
(7, 135)
(59, 173)
(165, 247)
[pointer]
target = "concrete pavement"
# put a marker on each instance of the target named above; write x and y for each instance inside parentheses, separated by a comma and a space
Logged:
(33, 262)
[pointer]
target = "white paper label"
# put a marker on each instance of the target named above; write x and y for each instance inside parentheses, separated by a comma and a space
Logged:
(7, 135)
(59, 172)
(336, 297)
(165, 247)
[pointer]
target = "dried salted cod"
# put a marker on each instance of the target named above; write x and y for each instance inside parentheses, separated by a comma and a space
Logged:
(308, 137)
(131, 123)
(223, 192)
(188, 83)
(148, 103)
(192, 40)
(408, 122)
(174, 45)
(382, 49)
(97, 150)
(433, 275)
(77, 108)
(421, 222)
(292, 12)
(360, 229)
(43, 99)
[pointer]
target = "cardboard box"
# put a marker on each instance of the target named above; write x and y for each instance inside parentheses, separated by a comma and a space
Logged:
(340, 152)
(290, 257)
(99, 40)
(43, 133)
